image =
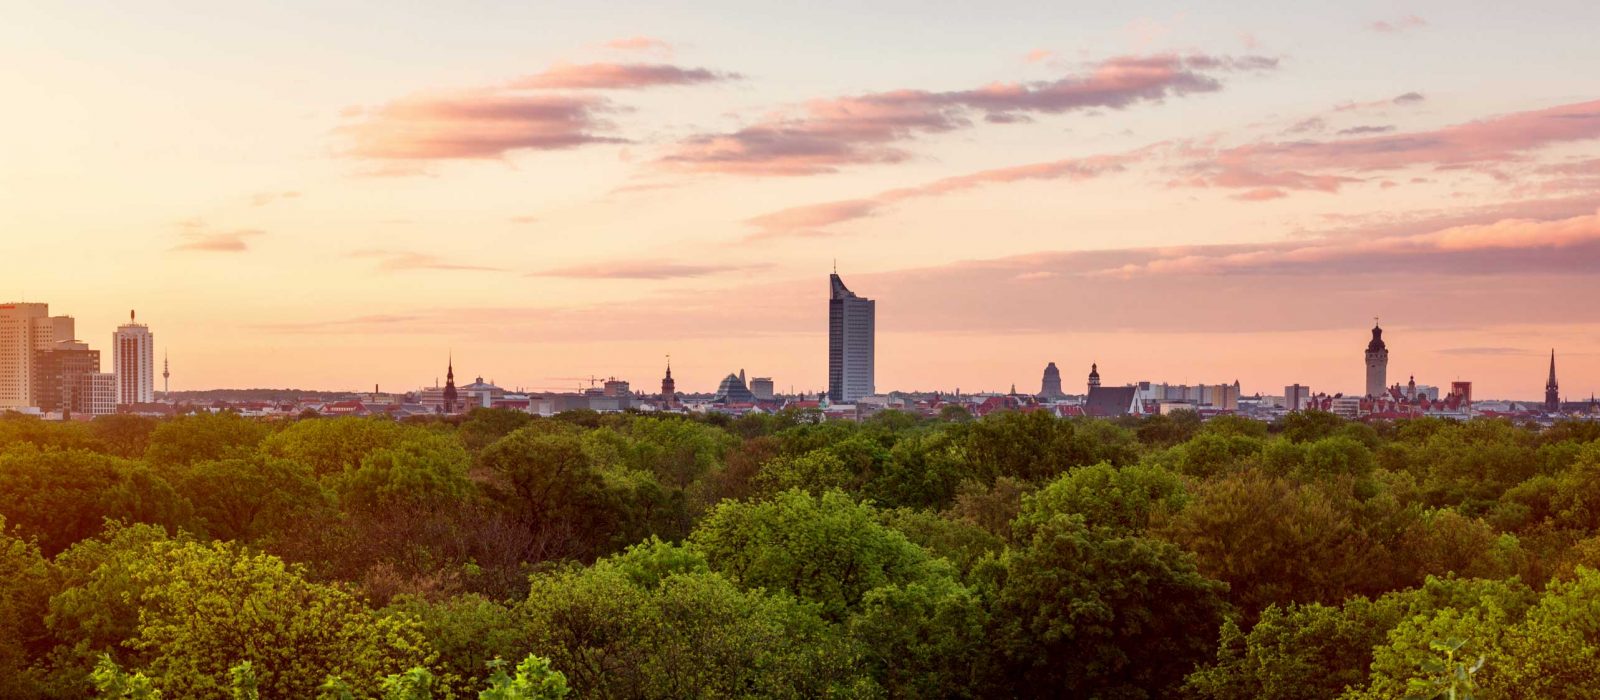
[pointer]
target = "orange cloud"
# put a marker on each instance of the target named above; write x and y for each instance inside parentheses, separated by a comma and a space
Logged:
(477, 125)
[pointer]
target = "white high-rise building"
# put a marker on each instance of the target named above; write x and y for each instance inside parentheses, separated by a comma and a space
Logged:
(134, 362)
(25, 331)
(852, 325)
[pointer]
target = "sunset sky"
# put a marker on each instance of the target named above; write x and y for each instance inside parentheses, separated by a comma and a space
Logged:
(333, 195)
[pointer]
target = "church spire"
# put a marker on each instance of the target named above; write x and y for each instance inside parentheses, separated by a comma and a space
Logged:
(1552, 390)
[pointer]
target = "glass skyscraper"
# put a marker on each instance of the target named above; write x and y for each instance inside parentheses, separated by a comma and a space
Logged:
(851, 326)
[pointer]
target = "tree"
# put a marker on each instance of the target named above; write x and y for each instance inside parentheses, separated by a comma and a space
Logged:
(666, 628)
(203, 608)
(1120, 499)
(62, 496)
(825, 549)
(247, 499)
(336, 445)
(1087, 612)
(25, 586)
(535, 680)
(924, 470)
(470, 632)
(420, 472)
(202, 437)
(124, 435)
(547, 483)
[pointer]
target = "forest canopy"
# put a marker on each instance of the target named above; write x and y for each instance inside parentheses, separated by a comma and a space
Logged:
(500, 555)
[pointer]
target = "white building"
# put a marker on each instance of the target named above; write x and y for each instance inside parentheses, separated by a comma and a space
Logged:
(852, 325)
(26, 330)
(97, 394)
(134, 362)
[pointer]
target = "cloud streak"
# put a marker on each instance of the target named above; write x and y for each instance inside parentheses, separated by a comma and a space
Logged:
(829, 134)
(642, 270)
(218, 242)
(811, 219)
(617, 76)
(405, 261)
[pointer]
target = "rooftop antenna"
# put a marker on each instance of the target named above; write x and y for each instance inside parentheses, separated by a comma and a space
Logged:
(835, 266)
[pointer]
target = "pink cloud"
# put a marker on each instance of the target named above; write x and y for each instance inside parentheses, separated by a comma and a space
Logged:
(641, 270)
(832, 133)
(482, 124)
(809, 219)
(640, 43)
(1038, 56)
(1396, 26)
(216, 242)
(616, 76)
(1312, 164)
(1261, 194)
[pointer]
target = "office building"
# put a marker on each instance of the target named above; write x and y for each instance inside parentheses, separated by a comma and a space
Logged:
(851, 327)
(1295, 397)
(96, 395)
(133, 353)
(58, 377)
(25, 331)
(761, 387)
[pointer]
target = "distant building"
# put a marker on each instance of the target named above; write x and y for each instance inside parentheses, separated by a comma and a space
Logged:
(1050, 386)
(1295, 397)
(1552, 390)
(58, 376)
(482, 394)
(669, 388)
(1377, 364)
(1110, 401)
(1462, 390)
(1345, 406)
(733, 390)
(761, 387)
(25, 330)
(96, 395)
(614, 388)
(851, 330)
(134, 362)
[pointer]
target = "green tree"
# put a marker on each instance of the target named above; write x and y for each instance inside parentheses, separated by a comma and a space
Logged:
(825, 549)
(25, 583)
(1120, 499)
(247, 499)
(1085, 612)
(62, 496)
(535, 679)
(549, 486)
(202, 437)
(202, 607)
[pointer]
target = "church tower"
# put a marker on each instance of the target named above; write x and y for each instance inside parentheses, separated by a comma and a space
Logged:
(1552, 390)
(1094, 376)
(1377, 363)
(669, 388)
(450, 386)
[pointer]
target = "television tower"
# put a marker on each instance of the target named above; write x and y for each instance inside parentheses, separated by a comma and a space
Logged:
(166, 376)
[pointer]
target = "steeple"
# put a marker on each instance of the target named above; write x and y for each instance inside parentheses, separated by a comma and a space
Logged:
(669, 388)
(1552, 390)
(450, 385)
(1094, 376)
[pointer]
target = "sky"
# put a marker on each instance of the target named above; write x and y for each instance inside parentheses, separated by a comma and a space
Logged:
(337, 195)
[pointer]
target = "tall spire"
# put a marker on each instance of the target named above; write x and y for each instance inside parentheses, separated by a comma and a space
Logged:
(1552, 390)
(1552, 382)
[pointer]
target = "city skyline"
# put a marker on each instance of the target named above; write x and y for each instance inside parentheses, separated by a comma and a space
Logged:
(1178, 195)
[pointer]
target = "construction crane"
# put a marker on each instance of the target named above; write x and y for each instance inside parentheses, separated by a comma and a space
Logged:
(591, 379)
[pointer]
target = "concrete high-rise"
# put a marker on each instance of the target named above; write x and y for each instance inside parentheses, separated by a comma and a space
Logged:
(58, 377)
(133, 352)
(852, 326)
(1377, 364)
(25, 331)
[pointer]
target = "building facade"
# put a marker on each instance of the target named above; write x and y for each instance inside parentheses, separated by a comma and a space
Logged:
(762, 388)
(852, 325)
(1295, 397)
(96, 395)
(25, 331)
(59, 374)
(1377, 364)
(133, 352)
